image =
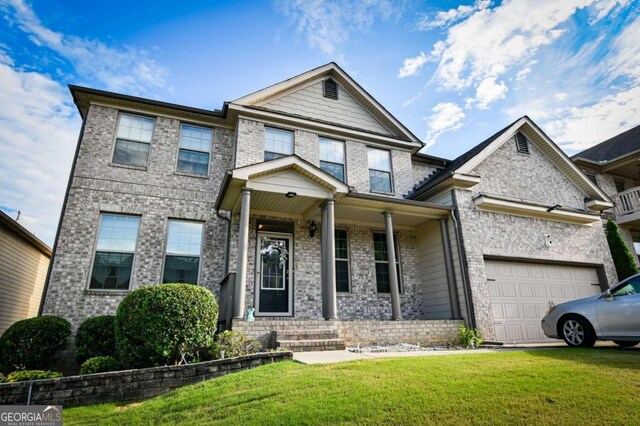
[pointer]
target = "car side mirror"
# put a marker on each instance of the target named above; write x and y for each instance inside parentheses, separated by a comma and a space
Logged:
(607, 296)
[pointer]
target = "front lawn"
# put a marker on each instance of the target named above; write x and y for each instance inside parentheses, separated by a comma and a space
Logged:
(558, 386)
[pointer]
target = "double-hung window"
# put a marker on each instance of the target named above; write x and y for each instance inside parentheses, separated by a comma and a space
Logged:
(379, 170)
(115, 250)
(383, 282)
(133, 140)
(277, 143)
(342, 261)
(194, 151)
(332, 157)
(182, 261)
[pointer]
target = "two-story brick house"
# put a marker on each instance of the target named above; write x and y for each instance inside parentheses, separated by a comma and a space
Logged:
(614, 165)
(308, 203)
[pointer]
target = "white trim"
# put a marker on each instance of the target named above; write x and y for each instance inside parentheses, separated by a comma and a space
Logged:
(497, 205)
(598, 205)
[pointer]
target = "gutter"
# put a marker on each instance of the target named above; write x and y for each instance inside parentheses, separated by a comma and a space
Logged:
(64, 207)
(464, 266)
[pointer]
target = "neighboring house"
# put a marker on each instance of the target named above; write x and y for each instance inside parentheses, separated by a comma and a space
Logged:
(308, 201)
(614, 165)
(24, 261)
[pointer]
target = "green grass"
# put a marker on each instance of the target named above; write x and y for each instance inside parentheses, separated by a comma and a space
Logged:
(560, 386)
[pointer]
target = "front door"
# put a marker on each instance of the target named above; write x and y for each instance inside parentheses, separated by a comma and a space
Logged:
(273, 275)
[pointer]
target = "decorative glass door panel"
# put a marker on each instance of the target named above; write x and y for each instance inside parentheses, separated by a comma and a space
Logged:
(273, 274)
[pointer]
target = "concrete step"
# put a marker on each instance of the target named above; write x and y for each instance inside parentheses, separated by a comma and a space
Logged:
(311, 345)
(306, 334)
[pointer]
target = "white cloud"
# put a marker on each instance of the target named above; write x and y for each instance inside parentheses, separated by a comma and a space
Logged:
(560, 96)
(38, 130)
(488, 91)
(127, 69)
(412, 65)
(328, 24)
(605, 7)
(579, 128)
(625, 61)
(444, 18)
(447, 116)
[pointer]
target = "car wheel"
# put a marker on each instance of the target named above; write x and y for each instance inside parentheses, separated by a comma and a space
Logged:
(626, 344)
(577, 332)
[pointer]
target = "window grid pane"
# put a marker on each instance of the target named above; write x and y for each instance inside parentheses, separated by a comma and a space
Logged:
(335, 170)
(193, 162)
(195, 138)
(331, 151)
(131, 153)
(379, 181)
(379, 159)
(342, 260)
(383, 282)
(278, 141)
(135, 128)
(185, 238)
(118, 233)
(111, 271)
(181, 269)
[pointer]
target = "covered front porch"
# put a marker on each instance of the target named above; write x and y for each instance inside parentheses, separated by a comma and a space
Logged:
(304, 247)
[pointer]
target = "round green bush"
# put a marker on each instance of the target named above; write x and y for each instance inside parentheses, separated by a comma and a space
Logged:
(99, 364)
(32, 343)
(96, 337)
(165, 324)
(25, 375)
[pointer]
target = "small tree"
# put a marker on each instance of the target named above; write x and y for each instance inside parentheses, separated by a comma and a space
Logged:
(622, 257)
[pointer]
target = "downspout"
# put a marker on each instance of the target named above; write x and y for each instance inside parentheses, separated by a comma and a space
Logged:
(64, 207)
(455, 216)
(226, 218)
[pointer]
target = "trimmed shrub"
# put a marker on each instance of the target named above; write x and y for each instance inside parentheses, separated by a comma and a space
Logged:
(165, 324)
(469, 338)
(96, 337)
(622, 257)
(25, 375)
(232, 343)
(33, 343)
(99, 364)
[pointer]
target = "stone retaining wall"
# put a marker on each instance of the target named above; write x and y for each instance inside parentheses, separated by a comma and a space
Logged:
(128, 385)
(432, 332)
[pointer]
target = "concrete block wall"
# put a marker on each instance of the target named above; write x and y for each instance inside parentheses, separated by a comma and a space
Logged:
(128, 385)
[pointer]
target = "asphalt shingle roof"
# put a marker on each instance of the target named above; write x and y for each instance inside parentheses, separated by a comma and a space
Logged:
(618, 146)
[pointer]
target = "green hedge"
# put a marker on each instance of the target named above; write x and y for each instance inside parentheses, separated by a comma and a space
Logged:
(165, 324)
(31, 344)
(96, 337)
(99, 364)
(622, 257)
(25, 375)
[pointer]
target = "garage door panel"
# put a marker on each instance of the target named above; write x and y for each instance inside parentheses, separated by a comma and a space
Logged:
(520, 294)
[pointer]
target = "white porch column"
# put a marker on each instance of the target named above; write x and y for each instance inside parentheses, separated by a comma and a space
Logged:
(323, 259)
(330, 264)
(396, 312)
(243, 247)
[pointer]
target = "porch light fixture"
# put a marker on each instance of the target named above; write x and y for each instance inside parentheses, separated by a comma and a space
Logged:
(290, 194)
(312, 229)
(556, 207)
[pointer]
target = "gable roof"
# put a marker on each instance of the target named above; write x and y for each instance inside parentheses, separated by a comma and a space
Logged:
(465, 163)
(614, 148)
(257, 99)
(23, 233)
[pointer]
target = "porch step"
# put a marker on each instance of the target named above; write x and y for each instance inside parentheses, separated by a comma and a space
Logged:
(319, 334)
(311, 345)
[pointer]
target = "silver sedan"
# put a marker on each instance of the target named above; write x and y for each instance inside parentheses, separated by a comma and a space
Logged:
(612, 315)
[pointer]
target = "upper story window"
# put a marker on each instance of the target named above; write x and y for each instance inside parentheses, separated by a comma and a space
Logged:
(133, 140)
(379, 170)
(383, 281)
(182, 261)
(194, 151)
(332, 157)
(277, 143)
(115, 250)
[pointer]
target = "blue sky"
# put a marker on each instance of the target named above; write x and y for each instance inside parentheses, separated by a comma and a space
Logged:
(453, 72)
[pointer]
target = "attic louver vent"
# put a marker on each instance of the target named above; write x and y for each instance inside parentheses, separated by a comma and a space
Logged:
(330, 89)
(522, 143)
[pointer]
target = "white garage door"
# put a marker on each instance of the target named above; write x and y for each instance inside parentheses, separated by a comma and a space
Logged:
(520, 295)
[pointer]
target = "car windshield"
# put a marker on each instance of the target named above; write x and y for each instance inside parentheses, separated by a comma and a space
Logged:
(632, 286)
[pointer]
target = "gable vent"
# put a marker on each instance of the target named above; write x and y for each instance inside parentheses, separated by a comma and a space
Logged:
(522, 144)
(330, 89)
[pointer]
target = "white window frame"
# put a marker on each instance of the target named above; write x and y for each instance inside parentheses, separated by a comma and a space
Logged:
(115, 140)
(344, 156)
(166, 247)
(195, 150)
(348, 260)
(396, 242)
(278, 129)
(390, 171)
